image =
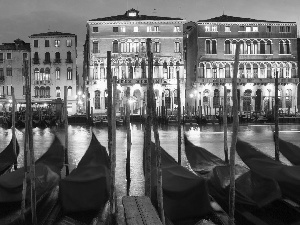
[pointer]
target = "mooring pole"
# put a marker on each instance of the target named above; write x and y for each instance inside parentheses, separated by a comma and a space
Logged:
(276, 119)
(66, 129)
(179, 117)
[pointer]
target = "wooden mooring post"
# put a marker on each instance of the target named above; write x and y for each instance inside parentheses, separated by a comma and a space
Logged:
(66, 129)
(13, 129)
(179, 117)
(276, 135)
(128, 179)
(225, 125)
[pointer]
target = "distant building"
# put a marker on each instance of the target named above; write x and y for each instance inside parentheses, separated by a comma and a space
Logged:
(125, 36)
(53, 66)
(12, 56)
(266, 47)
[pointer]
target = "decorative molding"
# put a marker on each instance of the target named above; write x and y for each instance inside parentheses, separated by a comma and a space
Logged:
(124, 22)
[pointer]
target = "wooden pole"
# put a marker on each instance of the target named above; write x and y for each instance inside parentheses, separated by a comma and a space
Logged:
(234, 137)
(26, 145)
(179, 118)
(66, 129)
(225, 125)
(109, 102)
(128, 139)
(148, 125)
(13, 129)
(276, 119)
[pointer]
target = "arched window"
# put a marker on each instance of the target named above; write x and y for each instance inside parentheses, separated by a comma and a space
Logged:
(143, 68)
(221, 71)
(227, 47)
(42, 92)
(269, 47)
(294, 71)
(69, 91)
(201, 70)
(97, 99)
(248, 71)
(167, 99)
(165, 71)
(206, 98)
(115, 46)
(69, 57)
(47, 57)
(207, 46)
(36, 74)
(247, 100)
(41, 73)
(255, 47)
(269, 70)
(242, 47)
(58, 92)
(216, 99)
(281, 71)
(208, 70)
(241, 71)
(36, 91)
(214, 71)
(69, 73)
(262, 47)
(262, 71)
(57, 57)
(287, 47)
(227, 71)
(57, 73)
(288, 98)
(156, 70)
(255, 70)
(47, 92)
(137, 70)
(214, 47)
(130, 71)
(281, 48)
(47, 74)
(248, 47)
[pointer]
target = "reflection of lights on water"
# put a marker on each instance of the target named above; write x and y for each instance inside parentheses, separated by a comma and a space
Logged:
(10, 101)
(131, 101)
(191, 95)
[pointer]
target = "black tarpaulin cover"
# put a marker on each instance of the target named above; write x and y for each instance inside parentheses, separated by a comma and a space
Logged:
(290, 151)
(87, 186)
(251, 188)
(8, 157)
(185, 194)
(288, 177)
(11, 184)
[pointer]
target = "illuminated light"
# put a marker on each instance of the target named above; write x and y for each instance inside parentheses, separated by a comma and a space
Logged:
(83, 95)
(131, 101)
(191, 95)
(80, 102)
(79, 93)
(76, 96)
(45, 105)
(10, 101)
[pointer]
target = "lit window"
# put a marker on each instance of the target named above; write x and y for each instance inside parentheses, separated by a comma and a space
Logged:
(227, 28)
(248, 29)
(123, 47)
(115, 29)
(132, 14)
(8, 55)
(177, 46)
(69, 73)
(255, 29)
(176, 29)
(207, 29)
(95, 47)
(135, 29)
(57, 73)
(143, 46)
(58, 92)
(156, 47)
(122, 29)
(288, 29)
(95, 29)
(69, 43)
(269, 29)
(115, 46)
(149, 29)
(56, 43)
(214, 28)
(155, 29)
(69, 91)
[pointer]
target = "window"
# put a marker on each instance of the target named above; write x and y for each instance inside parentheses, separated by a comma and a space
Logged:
(9, 71)
(47, 92)
(248, 47)
(69, 73)
(248, 29)
(95, 29)
(269, 47)
(8, 89)
(262, 47)
(41, 74)
(255, 47)
(214, 47)
(36, 91)
(2, 75)
(95, 47)
(207, 45)
(149, 29)
(57, 73)
(165, 71)
(242, 28)
(156, 47)
(123, 47)
(69, 57)
(69, 43)
(177, 46)
(36, 74)
(227, 28)
(25, 55)
(288, 29)
(47, 57)
(143, 46)
(214, 28)
(176, 29)
(227, 47)
(269, 29)
(97, 99)
(69, 91)
(281, 49)
(242, 48)
(123, 29)
(47, 43)
(57, 57)
(135, 29)
(115, 29)
(135, 46)
(155, 29)
(47, 75)
(8, 55)
(1, 57)
(207, 28)
(287, 47)
(241, 71)
(58, 92)
(255, 29)
(35, 43)
(102, 73)
(56, 43)
(115, 46)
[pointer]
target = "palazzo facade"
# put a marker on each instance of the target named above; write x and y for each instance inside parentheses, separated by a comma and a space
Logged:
(266, 47)
(125, 37)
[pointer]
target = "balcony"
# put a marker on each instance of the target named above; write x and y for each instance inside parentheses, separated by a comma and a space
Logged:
(47, 61)
(56, 61)
(35, 60)
(1, 60)
(264, 81)
(69, 61)
(42, 82)
(2, 96)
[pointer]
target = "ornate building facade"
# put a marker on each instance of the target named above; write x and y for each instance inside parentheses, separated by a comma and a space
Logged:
(12, 56)
(125, 36)
(53, 66)
(266, 47)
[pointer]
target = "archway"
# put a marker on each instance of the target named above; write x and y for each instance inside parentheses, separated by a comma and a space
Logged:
(258, 100)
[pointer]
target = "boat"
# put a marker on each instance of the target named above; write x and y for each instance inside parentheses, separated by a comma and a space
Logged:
(97, 120)
(47, 171)
(190, 120)
(289, 151)
(85, 192)
(288, 177)
(119, 121)
(258, 199)
(185, 196)
(172, 120)
(8, 157)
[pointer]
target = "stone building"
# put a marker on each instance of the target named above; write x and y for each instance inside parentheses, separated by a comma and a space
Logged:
(125, 36)
(53, 66)
(266, 47)
(12, 56)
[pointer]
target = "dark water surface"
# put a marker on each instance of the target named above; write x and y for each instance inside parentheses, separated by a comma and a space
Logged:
(209, 137)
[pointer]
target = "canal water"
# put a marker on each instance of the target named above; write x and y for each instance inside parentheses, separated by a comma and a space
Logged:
(208, 136)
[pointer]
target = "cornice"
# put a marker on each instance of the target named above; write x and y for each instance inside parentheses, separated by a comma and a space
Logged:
(124, 22)
(247, 23)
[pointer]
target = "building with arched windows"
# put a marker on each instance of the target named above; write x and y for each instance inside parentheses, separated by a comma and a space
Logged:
(125, 36)
(53, 66)
(266, 47)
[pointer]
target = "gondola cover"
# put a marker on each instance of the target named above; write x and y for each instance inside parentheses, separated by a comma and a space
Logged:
(87, 186)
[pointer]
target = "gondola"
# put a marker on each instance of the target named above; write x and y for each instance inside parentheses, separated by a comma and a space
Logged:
(288, 177)
(47, 170)
(84, 194)
(8, 157)
(290, 151)
(258, 199)
(185, 196)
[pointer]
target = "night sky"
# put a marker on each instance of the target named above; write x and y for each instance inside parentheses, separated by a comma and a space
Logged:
(21, 18)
